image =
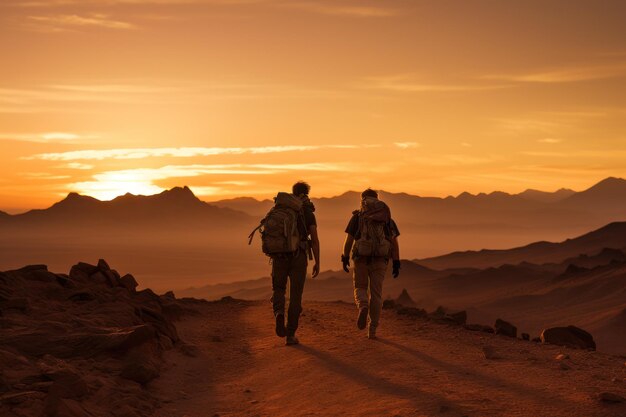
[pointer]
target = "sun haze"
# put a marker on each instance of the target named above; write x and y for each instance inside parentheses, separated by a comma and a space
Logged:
(241, 97)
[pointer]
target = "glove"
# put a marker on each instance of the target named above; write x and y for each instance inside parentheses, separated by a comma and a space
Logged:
(396, 268)
(346, 263)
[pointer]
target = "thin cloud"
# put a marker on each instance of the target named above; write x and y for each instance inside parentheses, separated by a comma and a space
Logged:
(566, 75)
(550, 140)
(406, 145)
(409, 84)
(45, 137)
(110, 184)
(185, 152)
(73, 21)
(338, 9)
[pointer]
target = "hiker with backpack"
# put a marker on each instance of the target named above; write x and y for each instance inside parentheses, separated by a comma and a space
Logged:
(289, 238)
(373, 240)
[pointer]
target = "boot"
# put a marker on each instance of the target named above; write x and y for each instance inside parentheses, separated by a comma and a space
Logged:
(292, 340)
(280, 325)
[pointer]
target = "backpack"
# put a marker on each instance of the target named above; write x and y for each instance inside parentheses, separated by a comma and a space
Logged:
(279, 228)
(372, 239)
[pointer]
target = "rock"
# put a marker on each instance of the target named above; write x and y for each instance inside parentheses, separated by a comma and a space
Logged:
(412, 312)
(404, 299)
(389, 304)
(490, 353)
(505, 328)
(31, 268)
(103, 265)
(64, 280)
(38, 273)
(141, 365)
(561, 356)
(478, 328)
(169, 295)
(459, 318)
(82, 271)
(611, 397)
(525, 336)
(128, 281)
(112, 278)
(536, 339)
(99, 277)
(19, 397)
(570, 336)
(82, 296)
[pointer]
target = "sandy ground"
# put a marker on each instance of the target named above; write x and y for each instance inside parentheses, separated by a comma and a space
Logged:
(415, 368)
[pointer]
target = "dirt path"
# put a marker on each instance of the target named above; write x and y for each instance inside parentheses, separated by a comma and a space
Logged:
(416, 368)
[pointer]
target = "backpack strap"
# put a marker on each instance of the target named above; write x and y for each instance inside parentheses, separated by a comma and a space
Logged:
(251, 235)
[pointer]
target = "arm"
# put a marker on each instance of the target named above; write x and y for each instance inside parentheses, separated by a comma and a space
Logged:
(315, 245)
(395, 249)
(345, 256)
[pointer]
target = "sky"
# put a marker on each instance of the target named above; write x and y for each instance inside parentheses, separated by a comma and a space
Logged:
(243, 97)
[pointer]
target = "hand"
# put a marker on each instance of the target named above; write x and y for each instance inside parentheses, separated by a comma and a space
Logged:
(346, 263)
(316, 270)
(396, 268)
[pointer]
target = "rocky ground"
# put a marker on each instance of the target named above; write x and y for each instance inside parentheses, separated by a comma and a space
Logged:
(83, 344)
(89, 344)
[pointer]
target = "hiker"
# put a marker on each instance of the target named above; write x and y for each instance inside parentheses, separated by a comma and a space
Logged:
(373, 239)
(289, 238)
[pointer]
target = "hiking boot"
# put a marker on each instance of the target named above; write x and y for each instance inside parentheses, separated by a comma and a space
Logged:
(361, 322)
(280, 325)
(292, 340)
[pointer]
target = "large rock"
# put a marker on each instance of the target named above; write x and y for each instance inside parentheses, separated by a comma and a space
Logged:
(505, 328)
(128, 281)
(570, 336)
(404, 299)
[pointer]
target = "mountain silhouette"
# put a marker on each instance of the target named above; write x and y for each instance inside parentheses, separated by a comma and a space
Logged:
(608, 195)
(612, 235)
(547, 197)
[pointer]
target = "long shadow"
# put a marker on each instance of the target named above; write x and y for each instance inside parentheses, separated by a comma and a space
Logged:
(418, 398)
(483, 379)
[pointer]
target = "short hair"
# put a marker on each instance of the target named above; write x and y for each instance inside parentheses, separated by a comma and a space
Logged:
(369, 193)
(301, 187)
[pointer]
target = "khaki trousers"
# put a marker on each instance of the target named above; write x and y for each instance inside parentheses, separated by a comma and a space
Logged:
(369, 275)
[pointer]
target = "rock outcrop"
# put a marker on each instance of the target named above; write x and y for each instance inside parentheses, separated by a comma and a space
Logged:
(69, 341)
(570, 336)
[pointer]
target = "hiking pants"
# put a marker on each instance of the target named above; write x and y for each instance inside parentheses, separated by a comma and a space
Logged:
(370, 274)
(292, 267)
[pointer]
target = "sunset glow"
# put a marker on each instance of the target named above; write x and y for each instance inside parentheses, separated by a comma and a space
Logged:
(105, 97)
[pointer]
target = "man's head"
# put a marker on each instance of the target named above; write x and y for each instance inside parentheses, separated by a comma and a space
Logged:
(369, 193)
(300, 188)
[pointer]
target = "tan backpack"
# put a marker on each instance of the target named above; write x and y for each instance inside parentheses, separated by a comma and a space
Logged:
(279, 228)
(372, 240)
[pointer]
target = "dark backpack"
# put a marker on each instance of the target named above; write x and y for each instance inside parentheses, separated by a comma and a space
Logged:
(279, 229)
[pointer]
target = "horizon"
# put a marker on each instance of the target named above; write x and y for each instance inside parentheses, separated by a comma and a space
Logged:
(268, 197)
(240, 98)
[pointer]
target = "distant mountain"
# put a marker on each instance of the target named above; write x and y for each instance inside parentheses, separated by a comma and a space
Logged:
(175, 207)
(612, 235)
(608, 195)
(546, 197)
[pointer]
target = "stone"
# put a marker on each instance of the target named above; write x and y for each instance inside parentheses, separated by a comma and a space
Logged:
(561, 356)
(570, 336)
(31, 268)
(99, 277)
(82, 270)
(112, 278)
(525, 336)
(490, 353)
(459, 317)
(128, 281)
(389, 305)
(505, 328)
(611, 397)
(141, 365)
(404, 299)
(536, 339)
(412, 312)
(103, 265)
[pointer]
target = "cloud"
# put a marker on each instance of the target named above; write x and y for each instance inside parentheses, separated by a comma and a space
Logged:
(409, 83)
(73, 21)
(550, 140)
(335, 8)
(567, 74)
(406, 145)
(184, 152)
(45, 137)
(76, 165)
(110, 184)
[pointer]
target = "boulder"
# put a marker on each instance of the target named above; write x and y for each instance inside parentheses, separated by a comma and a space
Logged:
(611, 397)
(389, 304)
(505, 328)
(99, 277)
(570, 336)
(525, 336)
(141, 365)
(82, 270)
(103, 265)
(412, 312)
(128, 281)
(112, 278)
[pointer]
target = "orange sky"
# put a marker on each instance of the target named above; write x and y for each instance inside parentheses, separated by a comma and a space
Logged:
(241, 97)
